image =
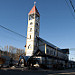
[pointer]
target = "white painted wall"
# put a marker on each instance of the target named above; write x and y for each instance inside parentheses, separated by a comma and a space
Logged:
(33, 33)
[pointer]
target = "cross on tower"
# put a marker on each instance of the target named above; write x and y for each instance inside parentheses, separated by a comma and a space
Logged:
(34, 3)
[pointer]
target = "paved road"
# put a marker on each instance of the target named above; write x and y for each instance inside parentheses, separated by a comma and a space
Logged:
(62, 72)
(37, 72)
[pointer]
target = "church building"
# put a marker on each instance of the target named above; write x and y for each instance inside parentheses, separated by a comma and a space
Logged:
(46, 54)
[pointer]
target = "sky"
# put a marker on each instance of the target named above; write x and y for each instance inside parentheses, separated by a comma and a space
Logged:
(57, 22)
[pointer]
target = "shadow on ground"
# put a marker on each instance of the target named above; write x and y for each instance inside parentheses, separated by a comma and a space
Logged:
(37, 72)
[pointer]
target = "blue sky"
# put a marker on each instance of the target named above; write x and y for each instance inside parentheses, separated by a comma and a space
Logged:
(57, 25)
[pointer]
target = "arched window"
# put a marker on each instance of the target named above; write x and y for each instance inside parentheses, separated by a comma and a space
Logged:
(31, 23)
(37, 17)
(30, 29)
(29, 47)
(30, 36)
(37, 24)
(31, 16)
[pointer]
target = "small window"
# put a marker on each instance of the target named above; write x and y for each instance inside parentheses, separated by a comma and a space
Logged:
(37, 24)
(51, 52)
(47, 51)
(29, 47)
(37, 17)
(36, 30)
(54, 52)
(30, 29)
(31, 23)
(31, 16)
(30, 36)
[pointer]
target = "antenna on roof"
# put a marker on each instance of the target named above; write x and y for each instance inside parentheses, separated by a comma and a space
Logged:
(34, 2)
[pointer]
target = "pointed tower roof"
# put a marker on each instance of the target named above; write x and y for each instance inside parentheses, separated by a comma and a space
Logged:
(34, 10)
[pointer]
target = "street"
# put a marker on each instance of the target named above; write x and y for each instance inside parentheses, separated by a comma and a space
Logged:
(37, 72)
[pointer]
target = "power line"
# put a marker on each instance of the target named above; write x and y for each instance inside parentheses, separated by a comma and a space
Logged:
(72, 5)
(13, 31)
(70, 9)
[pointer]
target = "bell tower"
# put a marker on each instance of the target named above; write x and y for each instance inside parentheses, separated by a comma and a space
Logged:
(32, 31)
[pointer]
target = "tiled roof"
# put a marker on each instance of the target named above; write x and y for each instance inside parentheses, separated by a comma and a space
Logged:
(34, 10)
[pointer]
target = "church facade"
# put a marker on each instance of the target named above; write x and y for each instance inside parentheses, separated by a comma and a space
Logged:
(47, 54)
